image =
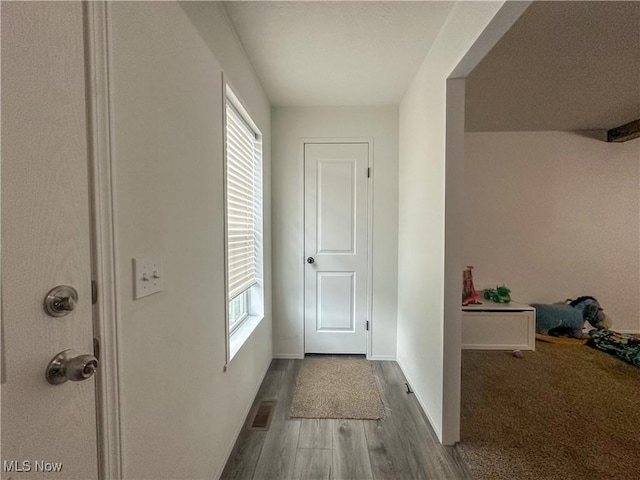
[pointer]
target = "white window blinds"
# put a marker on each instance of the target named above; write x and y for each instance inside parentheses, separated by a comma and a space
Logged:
(244, 200)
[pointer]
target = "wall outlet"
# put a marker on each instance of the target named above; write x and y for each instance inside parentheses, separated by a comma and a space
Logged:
(147, 276)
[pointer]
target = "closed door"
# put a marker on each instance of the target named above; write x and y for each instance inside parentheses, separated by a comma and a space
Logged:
(47, 430)
(336, 193)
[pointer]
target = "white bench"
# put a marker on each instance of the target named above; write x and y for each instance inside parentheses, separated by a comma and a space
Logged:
(498, 326)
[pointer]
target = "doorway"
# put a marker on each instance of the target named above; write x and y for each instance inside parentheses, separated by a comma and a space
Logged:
(48, 423)
(336, 247)
(57, 245)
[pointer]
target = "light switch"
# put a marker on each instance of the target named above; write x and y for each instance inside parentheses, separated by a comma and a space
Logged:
(147, 274)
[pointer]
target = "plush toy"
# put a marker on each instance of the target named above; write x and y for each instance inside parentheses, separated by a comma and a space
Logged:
(592, 312)
(569, 319)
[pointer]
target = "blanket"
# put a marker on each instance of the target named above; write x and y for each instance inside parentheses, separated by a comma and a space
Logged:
(625, 346)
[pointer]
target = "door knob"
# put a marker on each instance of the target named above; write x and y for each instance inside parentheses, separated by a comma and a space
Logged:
(310, 260)
(69, 365)
(60, 301)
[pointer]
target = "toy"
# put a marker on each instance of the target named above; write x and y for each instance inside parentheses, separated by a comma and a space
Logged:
(592, 312)
(469, 294)
(500, 295)
(569, 319)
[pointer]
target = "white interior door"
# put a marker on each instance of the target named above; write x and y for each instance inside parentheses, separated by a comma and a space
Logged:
(335, 212)
(47, 430)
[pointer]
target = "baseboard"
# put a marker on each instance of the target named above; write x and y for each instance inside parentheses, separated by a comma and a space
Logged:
(240, 427)
(300, 356)
(289, 356)
(382, 357)
(420, 402)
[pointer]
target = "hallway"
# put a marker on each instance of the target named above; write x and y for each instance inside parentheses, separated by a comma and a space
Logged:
(401, 446)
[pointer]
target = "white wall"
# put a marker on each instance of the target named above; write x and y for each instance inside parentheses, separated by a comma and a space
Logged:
(179, 411)
(289, 125)
(555, 215)
(421, 260)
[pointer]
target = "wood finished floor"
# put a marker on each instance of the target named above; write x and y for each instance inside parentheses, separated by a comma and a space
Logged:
(401, 446)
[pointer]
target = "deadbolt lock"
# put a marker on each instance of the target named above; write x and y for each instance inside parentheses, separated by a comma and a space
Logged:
(60, 301)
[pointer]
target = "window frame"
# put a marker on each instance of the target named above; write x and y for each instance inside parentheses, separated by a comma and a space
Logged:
(239, 332)
(237, 323)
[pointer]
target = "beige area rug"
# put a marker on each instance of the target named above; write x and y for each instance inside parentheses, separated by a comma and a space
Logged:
(335, 387)
(565, 413)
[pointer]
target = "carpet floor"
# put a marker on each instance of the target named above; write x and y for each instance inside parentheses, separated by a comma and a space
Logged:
(561, 412)
(335, 387)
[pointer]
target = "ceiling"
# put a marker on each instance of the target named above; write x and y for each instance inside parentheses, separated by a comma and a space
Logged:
(562, 66)
(336, 53)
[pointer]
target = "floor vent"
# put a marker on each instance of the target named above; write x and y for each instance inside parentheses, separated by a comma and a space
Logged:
(264, 414)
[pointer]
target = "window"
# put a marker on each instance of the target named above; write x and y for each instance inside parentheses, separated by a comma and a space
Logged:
(243, 199)
(238, 311)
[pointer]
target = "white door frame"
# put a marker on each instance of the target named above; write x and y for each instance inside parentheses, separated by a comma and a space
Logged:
(301, 252)
(104, 244)
(454, 202)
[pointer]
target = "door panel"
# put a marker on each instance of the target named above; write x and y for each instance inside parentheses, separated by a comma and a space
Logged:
(336, 306)
(45, 239)
(336, 205)
(336, 193)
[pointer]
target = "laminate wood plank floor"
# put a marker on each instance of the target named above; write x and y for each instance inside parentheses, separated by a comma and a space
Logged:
(350, 452)
(402, 446)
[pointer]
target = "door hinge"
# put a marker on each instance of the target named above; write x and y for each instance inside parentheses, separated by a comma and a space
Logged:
(94, 293)
(367, 325)
(96, 348)
(368, 172)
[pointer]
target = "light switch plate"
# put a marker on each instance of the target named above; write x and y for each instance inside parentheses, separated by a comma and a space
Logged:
(147, 276)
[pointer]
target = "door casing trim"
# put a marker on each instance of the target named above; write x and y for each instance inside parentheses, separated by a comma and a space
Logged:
(104, 240)
(301, 253)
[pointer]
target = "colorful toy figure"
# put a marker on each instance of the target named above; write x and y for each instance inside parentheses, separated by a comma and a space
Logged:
(469, 294)
(500, 295)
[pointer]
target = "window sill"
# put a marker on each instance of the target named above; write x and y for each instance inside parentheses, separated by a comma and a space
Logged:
(242, 334)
